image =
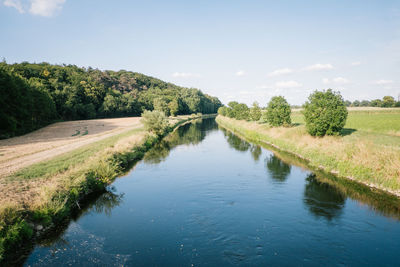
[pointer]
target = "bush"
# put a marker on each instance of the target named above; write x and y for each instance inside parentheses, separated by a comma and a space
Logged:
(155, 121)
(255, 112)
(325, 113)
(278, 112)
(223, 111)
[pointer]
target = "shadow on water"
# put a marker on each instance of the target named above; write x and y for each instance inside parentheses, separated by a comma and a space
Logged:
(256, 152)
(323, 200)
(278, 169)
(188, 134)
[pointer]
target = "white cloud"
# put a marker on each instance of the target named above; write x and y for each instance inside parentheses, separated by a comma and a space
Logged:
(319, 66)
(337, 80)
(382, 82)
(264, 87)
(240, 73)
(185, 75)
(280, 72)
(15, 4)
(356, 63)
(46, 8)
(340, 80)
(287, 84)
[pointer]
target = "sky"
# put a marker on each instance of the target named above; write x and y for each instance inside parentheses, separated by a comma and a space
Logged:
(239, 50)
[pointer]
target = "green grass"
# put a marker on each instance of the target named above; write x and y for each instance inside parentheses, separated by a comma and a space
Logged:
(65, 161)
(384, 121)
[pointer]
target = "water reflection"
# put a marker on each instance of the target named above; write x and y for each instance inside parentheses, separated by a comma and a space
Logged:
(278, 169)
(106, 202)
(256, 152)
(323, 200)
(191, 133)
(236, 142)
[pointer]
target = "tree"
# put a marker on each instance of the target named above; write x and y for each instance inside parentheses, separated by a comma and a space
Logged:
(255, 112)
(356, 103)
(161, 104)
(325, 113)
(376, 103)
(173, 107)
(388, 101)
(365, 103)
(223, 111)
(241, 111)
(278, 112)
(155, 121)
(347, 103)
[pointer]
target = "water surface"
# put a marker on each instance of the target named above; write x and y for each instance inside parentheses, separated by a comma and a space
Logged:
(205, 197)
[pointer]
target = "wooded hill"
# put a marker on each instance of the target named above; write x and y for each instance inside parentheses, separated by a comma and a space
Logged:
(33, 95)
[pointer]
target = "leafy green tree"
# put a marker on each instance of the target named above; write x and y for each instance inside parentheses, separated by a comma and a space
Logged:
(356, 103)
(223, 111)
(347, 103)
(161, 104)
(278, 112)
(230, 112)
(388, 101)
(325, 113)
(174, 107)
(365, 103)
(255, 112)
(241, 111)
(376, 103)
(155, 121)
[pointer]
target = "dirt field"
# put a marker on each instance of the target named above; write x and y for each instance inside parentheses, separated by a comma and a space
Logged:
(58, 138)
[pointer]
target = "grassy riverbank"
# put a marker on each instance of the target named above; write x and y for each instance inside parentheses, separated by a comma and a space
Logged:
(43, 195)
(365, 152)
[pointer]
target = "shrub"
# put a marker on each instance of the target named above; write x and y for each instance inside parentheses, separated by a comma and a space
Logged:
(278, 112)
(255, 112)
(223, 111)
(325, 113)
(155, 121)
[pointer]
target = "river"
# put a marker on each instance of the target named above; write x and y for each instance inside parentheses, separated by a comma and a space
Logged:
(204, 197)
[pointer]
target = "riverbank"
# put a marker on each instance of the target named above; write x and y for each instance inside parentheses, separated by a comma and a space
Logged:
(370, 158)
(41, 196)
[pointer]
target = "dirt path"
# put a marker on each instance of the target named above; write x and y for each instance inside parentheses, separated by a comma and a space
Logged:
(56, 139)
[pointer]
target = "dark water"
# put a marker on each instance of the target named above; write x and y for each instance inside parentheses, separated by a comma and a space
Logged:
(208, 198)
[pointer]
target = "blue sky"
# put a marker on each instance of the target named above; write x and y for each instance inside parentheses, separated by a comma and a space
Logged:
(236, 50)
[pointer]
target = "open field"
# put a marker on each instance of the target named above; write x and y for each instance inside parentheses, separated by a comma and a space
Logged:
(369, 119)
(56, 139)
(368, 150)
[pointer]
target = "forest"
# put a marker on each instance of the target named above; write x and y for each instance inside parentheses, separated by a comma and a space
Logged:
(34, 95)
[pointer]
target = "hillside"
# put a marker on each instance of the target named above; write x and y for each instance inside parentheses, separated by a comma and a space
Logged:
(36, 94)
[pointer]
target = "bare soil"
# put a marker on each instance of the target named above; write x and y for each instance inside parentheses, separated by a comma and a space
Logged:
(56, 139)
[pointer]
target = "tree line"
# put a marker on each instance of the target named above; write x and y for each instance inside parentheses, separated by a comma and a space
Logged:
(34, 95)
(385, 102)
(325, 112)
